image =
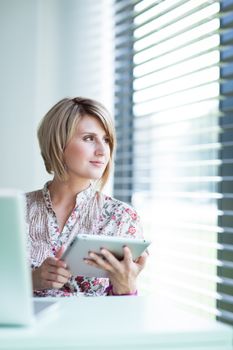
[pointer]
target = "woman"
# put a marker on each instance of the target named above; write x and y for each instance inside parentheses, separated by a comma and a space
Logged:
(77, 140)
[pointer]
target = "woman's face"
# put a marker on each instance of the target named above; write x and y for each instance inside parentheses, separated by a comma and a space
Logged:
(88, 152)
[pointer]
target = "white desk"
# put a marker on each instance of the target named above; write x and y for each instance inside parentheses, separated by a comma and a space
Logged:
(118, 323)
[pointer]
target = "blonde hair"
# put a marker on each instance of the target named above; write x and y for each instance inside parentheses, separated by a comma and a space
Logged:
(58, 126)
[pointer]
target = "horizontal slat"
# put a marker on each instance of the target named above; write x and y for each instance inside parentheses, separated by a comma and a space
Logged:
(227, 71)
(123, 40)
(181, 257)
(183, 32)
(149, 74)
(145, 24)
(144, 8)
(226, 5)
(226, 212)
(149, 35)
(225, 316)
(227, 20)
(194, 274)
(186, 180)
(171, 76)
(183, 83)
(199, 126)
(123, 10)
(200, 291)
(189, 111)
(195, 95)
(124, 54)
(171, 55)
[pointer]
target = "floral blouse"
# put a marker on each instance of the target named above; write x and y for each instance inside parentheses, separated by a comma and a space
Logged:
(94, 213)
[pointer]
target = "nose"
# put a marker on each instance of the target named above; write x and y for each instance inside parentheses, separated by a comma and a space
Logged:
(100, 148)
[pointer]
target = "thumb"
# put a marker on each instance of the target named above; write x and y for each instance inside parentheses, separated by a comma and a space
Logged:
(60, 252)
(141, 261)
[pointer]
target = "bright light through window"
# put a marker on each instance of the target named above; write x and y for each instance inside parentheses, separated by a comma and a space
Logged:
(175, 104)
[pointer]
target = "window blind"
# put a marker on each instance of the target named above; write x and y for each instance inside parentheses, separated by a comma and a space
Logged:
(123, 99)
(225, 205)
(175, 137)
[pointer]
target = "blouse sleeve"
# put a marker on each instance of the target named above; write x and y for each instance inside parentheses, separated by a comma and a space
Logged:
(130, 224)
(121, 220)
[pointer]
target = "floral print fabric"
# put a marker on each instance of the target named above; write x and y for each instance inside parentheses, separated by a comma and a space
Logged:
(105, 216)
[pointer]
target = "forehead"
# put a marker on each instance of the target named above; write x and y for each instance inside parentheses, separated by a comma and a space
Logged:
(90, 123)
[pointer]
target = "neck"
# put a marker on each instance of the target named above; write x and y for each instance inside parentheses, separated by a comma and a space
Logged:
(66, 191)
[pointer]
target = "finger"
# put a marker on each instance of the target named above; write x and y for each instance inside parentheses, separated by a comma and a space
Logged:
(110, 258)
(53, 277)
(54, 262)
(100, 262)
(141, 261)
(60, 252)
(60, 271)
(52, 285)
(104, 266)
(91, 262)
(128, 258)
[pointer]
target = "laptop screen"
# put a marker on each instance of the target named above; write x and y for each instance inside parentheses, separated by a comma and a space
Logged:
(16, 290)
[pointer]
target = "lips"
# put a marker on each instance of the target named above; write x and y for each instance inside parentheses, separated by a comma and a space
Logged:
(97, 163)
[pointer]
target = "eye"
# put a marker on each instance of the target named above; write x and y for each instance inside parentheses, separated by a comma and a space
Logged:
(88, 138)
(107, 140)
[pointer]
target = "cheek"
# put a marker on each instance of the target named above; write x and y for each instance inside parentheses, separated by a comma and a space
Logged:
(108, 154)
(74, 151)
(108, 151)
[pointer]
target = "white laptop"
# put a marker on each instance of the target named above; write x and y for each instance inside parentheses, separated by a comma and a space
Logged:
(17, 305)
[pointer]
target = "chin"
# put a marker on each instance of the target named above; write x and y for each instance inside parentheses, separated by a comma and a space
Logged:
(95, 175)
(95, 178)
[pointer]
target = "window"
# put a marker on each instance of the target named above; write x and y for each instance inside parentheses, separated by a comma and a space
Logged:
(173, 110)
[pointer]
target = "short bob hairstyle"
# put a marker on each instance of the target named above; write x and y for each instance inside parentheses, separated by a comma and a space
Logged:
(58, 126)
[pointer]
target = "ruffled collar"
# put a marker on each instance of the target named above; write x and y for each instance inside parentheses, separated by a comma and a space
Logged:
(82, 197)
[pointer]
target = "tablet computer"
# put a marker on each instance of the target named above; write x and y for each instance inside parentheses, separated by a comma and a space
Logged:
(84, 243)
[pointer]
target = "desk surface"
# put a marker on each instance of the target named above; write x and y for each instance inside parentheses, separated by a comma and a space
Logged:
(118, 323)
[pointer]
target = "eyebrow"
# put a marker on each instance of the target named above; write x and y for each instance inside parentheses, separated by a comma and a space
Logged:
(89, 133)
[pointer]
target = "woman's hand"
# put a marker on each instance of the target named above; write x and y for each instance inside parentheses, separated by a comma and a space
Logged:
(122, 274)
(52, 273)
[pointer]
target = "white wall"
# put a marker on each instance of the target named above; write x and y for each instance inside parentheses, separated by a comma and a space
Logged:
(50, 49)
